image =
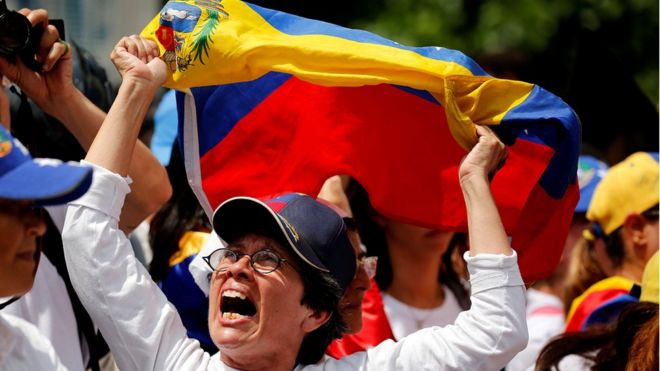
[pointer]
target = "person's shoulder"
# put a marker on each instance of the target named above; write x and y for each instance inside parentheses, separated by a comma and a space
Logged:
(18, 326)
(353, 361)
(26, 343)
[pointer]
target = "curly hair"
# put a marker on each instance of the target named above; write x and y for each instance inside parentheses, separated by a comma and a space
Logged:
(322, 294)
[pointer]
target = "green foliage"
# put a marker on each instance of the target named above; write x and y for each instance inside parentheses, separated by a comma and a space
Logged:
(628, 27)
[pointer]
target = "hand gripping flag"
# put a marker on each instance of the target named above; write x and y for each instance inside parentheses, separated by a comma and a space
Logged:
(272, 102)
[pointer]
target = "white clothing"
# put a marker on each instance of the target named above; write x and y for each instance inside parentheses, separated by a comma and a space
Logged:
(48, 307)
(198, 268)
(545, 319)
(574, 362)
(24, 348)
(141, 234)
(145, 332)
(405, 319)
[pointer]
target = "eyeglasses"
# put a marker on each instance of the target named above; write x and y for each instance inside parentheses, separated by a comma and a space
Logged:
(369, 264)
(23, 210)
(263, 261)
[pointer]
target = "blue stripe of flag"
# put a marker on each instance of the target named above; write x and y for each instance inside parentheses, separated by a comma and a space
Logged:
(219, 108)
(544, 118)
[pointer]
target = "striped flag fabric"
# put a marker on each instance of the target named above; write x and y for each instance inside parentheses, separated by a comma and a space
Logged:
(270, 102)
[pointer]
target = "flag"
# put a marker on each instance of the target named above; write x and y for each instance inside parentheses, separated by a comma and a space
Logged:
(271, 102)
(597, 297)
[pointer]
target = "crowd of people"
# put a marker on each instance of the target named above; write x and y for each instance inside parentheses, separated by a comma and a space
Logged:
(293, 281)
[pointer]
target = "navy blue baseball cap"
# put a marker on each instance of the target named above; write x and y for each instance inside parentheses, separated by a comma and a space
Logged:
(315, 232)
(45, 181)
(590, 172)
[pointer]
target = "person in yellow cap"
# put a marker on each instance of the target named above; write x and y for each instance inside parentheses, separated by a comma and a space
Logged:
(624, 214)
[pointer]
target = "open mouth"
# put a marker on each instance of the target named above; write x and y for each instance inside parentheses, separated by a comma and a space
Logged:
(235, 305)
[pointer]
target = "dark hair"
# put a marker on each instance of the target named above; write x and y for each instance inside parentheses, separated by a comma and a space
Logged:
(181, 213)
(609, 347)
(643, 354)
(448, 275)
(322, 294)
(374, 238)
(614, 247)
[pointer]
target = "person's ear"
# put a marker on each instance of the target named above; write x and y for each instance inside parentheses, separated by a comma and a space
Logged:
(633, 227)
(314, 320)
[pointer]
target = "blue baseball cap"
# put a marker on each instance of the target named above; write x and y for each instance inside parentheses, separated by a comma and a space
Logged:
(45, 181)
(590, 172)
(315, 232)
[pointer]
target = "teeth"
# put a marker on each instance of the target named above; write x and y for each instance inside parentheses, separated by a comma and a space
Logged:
(229, 315)
(233, 294)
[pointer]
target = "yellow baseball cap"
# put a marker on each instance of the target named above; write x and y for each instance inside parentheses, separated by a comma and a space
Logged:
(630, 186)
(650, 280)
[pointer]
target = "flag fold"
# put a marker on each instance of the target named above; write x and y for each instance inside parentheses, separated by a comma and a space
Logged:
(272, 102)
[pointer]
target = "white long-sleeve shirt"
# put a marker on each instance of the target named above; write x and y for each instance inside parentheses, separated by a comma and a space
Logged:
(144, 331)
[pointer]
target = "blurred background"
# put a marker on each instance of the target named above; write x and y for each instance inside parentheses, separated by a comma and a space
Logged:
(600, 56)
(96, 25)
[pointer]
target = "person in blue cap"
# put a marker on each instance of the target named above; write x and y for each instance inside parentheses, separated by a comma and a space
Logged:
(26, 185)
(275, 290)
(51, 304)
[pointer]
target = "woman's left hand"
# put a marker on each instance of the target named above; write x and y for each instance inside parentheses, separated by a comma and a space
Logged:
(485, 158)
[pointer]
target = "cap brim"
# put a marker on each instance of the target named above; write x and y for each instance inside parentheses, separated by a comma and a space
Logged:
(48, 182)
(239, 216)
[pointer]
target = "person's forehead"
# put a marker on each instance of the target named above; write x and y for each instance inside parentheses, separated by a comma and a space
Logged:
(16, 208)
(8, 202)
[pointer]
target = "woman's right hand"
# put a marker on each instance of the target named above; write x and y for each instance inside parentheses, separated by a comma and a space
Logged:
(138, 59)
(52, 87)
